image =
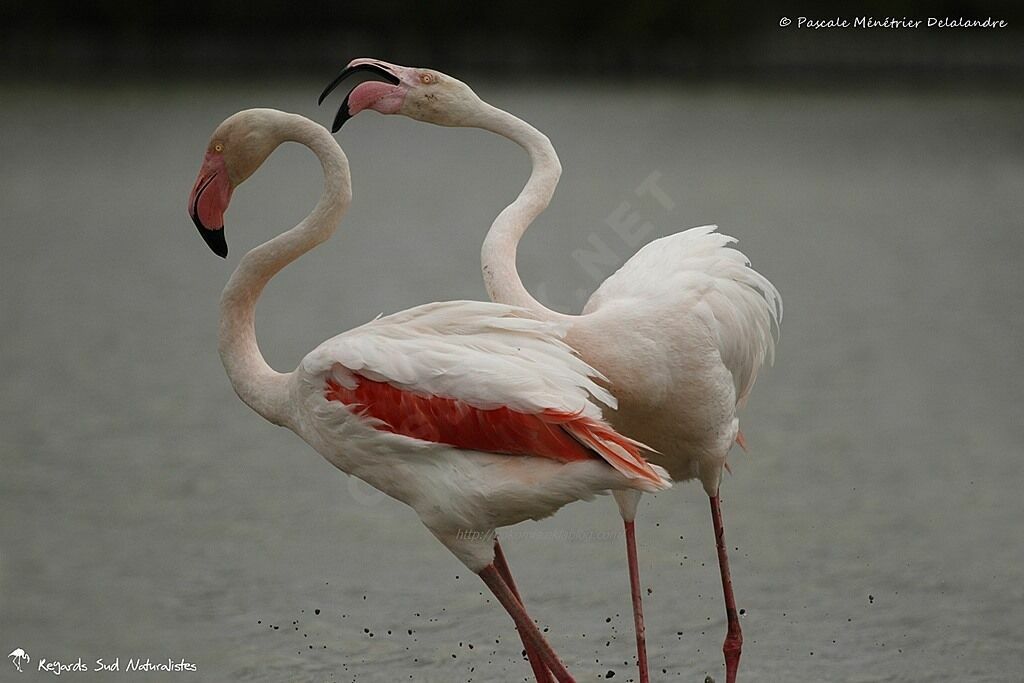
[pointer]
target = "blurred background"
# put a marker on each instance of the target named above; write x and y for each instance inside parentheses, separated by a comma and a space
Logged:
(875, 176)
(702, 40)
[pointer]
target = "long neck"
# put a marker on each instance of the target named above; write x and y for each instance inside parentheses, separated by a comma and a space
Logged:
(255, 382)
(498, 255)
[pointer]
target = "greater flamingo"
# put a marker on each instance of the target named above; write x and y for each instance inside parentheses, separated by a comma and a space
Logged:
(680, 331)
(476, 415)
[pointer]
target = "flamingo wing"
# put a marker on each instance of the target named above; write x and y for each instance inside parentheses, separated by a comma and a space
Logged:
(697, 264)
(477, 376)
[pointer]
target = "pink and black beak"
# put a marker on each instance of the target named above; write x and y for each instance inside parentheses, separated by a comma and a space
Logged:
(383, 92)
(209, 200)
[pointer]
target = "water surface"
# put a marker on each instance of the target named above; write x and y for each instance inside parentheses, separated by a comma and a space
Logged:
(874, 528)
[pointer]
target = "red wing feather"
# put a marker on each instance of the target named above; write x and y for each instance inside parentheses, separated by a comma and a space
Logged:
(553, 434)
(456, 423)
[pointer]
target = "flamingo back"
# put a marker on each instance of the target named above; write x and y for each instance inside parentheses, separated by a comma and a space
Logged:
(743, 307)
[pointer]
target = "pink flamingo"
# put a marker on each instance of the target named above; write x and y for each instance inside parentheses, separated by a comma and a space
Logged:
(680, 331)
(476, 415)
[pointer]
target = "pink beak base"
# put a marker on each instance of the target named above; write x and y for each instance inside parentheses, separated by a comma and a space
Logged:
(208, 201)
(382, 97)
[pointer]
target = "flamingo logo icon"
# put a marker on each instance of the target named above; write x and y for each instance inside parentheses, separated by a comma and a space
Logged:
(19, 656)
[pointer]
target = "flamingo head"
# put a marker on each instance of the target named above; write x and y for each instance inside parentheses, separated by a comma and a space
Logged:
(236, 149)
(421, 94)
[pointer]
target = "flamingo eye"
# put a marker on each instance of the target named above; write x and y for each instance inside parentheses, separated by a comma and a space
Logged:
(426, 79)
(218, 147)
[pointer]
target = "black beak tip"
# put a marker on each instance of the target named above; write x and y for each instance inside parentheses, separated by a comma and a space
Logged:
(341, 117)
(213, 238)
(332, 85)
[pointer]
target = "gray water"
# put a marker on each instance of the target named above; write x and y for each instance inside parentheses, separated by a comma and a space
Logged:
(875, 527)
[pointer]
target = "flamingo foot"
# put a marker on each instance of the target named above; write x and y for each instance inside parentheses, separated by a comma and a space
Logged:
(733, 646)
(527, 629)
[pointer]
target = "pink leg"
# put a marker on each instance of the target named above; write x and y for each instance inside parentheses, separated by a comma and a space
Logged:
(734, 638)
(540, 672)
(638, 606)
(527, 628)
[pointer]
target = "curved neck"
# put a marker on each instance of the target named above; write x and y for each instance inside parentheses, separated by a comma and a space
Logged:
(498, 255)
(256, 383)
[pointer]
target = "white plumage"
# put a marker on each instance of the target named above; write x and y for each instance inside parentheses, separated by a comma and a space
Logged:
(696, 265)
(488, 355)
(700, 323)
